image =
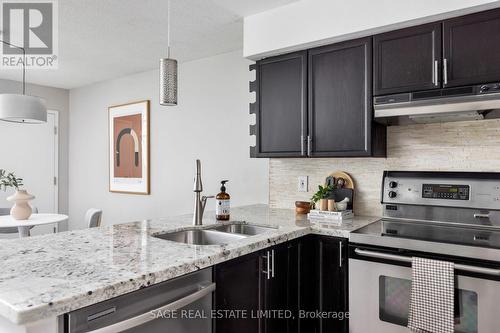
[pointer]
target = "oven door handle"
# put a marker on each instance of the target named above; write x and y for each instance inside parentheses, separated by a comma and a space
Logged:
(395, 257)
(203, 290)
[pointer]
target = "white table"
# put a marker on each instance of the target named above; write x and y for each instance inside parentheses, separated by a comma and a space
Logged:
(6, 221)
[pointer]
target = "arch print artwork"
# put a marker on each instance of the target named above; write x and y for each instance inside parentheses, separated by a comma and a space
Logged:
(129, 148)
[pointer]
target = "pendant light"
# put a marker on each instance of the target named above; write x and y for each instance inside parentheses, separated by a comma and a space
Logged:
(21, 108)
(168, 72)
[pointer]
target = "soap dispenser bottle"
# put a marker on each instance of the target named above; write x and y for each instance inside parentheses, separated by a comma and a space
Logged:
(222, 203)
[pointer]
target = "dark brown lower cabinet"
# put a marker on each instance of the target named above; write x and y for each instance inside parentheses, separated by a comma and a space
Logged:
(332, 283)
(238, 287)
(308, 285)
(280, 288)
(285, 285)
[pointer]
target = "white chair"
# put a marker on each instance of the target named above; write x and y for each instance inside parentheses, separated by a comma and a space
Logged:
(93, 217)
(12, 230)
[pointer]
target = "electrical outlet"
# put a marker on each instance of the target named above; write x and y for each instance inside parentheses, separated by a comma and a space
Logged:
(302, 185)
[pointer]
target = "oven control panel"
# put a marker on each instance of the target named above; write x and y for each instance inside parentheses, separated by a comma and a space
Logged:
(445, 191)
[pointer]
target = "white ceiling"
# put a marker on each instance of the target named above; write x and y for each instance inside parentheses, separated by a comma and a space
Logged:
(105, 39)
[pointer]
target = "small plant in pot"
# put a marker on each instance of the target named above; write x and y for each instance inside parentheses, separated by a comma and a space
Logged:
(21, 209)
(321, 196)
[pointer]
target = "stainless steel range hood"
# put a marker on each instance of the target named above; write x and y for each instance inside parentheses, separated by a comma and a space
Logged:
(441, 105)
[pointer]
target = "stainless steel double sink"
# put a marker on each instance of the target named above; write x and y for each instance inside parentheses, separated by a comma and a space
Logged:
(217, 235)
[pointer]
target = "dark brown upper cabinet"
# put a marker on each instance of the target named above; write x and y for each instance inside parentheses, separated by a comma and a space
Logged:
(407, 60)
(340, 101)
(280, 106)
(318, 103)
(471, 53)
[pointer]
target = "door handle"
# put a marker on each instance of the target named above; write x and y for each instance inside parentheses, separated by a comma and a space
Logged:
(435, 73)
(466, 268)
(203, 290)
(268, 266)
(309, 143)
(272, 266)
(445, 71)
(302, 148)
(340, 253)
(481, 216)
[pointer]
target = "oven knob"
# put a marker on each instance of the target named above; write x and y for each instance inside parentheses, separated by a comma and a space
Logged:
(392, 194)
(393, 184)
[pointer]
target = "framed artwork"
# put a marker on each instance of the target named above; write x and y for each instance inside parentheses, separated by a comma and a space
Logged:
(129, 148)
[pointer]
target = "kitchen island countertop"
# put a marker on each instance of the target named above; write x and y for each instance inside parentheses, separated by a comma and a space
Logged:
(49, 275)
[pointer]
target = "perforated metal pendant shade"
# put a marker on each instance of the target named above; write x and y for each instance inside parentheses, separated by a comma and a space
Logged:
(168, 81)
(168, 72)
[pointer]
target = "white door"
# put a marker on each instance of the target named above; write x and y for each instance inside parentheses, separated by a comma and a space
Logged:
(31, 152)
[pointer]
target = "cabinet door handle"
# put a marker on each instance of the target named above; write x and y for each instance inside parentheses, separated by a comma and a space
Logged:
(435, 73)
(309, 143)
(340, 254)
(272, 266)
(302, 148)
(268, 264)
(445, 71)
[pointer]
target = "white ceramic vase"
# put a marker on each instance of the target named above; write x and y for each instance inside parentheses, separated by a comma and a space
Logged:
(21, 209)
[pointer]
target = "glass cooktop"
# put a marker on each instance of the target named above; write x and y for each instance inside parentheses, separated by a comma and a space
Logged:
(433, 232)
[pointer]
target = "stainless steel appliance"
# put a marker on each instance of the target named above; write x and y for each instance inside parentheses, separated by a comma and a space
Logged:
(440, 105)
(181, 305)
(452, 216)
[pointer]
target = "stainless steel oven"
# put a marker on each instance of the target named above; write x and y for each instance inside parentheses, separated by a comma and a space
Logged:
(450, 216)
(379, 292)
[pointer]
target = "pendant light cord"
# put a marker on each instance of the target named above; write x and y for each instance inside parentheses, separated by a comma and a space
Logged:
(24, 62)
(168, 29)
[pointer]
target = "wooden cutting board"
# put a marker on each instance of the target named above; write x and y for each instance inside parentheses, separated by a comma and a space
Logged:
(346, 192)
(341, 174)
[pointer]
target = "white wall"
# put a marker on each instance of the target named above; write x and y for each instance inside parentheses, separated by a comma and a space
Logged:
(56, 99)
(309, 23)
(211, 123)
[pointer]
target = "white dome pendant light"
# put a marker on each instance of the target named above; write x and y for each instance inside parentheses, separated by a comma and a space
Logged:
(168, 72)
(17, 108)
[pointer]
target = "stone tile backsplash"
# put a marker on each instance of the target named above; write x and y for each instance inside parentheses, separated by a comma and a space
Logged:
(457, 146)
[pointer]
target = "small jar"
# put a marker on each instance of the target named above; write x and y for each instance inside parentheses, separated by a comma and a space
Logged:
(332, 207)
(323, 204)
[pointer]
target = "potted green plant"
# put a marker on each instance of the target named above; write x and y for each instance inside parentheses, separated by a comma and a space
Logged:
(21, 209)
(9, 179)
(321, 196)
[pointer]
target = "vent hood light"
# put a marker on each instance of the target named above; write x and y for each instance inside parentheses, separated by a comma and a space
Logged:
(447, 117)
(444, 105)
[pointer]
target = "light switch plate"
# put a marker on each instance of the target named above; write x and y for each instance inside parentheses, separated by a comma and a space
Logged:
(303, 184)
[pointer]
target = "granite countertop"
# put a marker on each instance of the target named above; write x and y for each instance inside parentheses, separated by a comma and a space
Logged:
(46, 276)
